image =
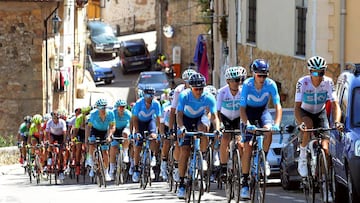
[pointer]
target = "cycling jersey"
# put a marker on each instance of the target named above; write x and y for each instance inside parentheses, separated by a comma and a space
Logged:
(146, 114)
(166, 115)
(35, 130)
(177, 92)
(56, 128)
(194, 108)
(122, 121)
(81, 121)
(102, 125)
(23, 130)
(250, 96)
(312, 98)
(227, 104)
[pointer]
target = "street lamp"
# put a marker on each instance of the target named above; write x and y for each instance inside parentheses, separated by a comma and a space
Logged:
(56, 20)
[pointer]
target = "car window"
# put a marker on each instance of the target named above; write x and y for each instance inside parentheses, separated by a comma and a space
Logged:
(147, 78)
(134, 51)
(287, 118)
(95, 31)
(355, 107)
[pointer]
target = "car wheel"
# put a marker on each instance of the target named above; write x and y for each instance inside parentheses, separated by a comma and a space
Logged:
(352, 196)
(286, 184)
(107, 82)
(337, 188)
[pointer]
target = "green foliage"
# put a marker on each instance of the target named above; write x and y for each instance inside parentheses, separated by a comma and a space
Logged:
(6, 141)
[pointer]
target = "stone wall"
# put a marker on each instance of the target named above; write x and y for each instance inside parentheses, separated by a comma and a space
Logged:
(21, 78)
(284, 69)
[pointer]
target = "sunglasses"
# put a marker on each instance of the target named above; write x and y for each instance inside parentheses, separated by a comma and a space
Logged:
(148, 95)
(317, 74)
(235, 80)
(121, 107)
(101, 107)
(261, 76)
(198, 88)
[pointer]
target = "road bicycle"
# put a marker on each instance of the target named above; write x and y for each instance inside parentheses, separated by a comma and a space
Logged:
(233, 172)
(53, 162)
(33, 166)
(171, 163)
(209, 160)
(318, 178)
(258, 178)
(145, 161)
(99, 168)
(195, 177)
(122, 168)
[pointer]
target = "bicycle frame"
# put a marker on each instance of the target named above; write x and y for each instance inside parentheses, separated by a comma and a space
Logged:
(99, 168)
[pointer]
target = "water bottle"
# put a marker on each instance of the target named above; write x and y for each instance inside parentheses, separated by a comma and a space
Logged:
(229, 164)
(49, 161)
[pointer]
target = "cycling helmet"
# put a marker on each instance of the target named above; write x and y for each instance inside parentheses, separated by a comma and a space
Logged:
(55, 114)
(316, 63)
(47, 117)
(197, 80)
(259, 66)
(149, 90)
(235, 72)
(27, 119)
(210, 89)
(37, 119)
(120, 102)
(187, 73)
(101, 103)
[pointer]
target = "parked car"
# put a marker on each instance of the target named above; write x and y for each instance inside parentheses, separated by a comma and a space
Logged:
(100, 70)
(156, 79)
(102, 38)
(134, 55)
(279, 140)
(345, 146)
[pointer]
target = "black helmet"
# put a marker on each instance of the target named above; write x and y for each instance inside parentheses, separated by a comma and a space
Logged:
(260, 66)
(197, 80)
(27, 119)
(149, 90)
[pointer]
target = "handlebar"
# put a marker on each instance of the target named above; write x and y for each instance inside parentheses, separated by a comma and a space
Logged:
(199, 133)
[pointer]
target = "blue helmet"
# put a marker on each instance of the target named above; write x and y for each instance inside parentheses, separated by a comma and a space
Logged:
(197, 80)
(149, 90)
(260, 66)
(101, 103)
(120, 102)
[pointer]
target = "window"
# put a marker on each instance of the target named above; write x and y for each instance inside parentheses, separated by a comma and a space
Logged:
(301, 11)
(355, 107)
(251, 34)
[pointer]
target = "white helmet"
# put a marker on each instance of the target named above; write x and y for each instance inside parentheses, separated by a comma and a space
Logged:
(316, 63)
(235, 72)
(187, 73)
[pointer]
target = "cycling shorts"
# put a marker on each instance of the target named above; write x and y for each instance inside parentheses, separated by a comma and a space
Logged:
(80, 137)
(56, 138)
(258, 117)
(191, 125)
(320, 120)
(149, 126)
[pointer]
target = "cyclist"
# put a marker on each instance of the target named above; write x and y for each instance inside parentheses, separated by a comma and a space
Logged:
(193, 103)
(56, 131)
(146, 117)
(228, 107)
(312, 93)
(164, 125)
(36, 135)
(255, 94)
(22, 139)
(122, 120)
(102, 125)
(78, 135)
(172, 125)
(70, 123)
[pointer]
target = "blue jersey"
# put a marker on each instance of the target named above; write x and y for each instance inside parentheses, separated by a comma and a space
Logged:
(145, 114)
(96, 122)
(122, 121)
(194, 108)
(252, 97)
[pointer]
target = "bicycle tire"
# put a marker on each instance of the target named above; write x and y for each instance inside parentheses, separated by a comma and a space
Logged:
(307, 182)
(237, 174)
(38, 169)
(119, 176)
(323, 175)
(197, 179)
(229, 191)
(170, 169)
(30, 167)
(55, 167)
(259, 180)
(145, 169)
(209, 161)
(102, 169)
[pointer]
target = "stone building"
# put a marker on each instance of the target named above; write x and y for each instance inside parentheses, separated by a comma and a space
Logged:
(35, 62)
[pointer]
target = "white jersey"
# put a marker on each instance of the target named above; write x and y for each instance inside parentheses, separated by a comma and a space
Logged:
(177, 91)
(56, 128)
(312, 98)
(228, 104)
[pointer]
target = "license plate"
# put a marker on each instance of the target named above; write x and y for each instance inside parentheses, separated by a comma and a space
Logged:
(137, 63)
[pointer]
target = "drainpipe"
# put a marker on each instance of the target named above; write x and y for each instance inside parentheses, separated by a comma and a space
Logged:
(342, 34)
(314, 24)
(46, 57)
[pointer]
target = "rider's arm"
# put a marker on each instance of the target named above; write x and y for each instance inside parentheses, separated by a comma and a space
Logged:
(243, 116)
(297, 112)
(215, 121)
(336, 112)
(179, 119)
(135, 121)
(278, 114)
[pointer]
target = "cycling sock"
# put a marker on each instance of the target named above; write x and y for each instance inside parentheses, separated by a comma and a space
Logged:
(136, 168)
(223, 168)
(245, 179)
(302, 152)
(182, 182)
(175, 164)
(266, 153)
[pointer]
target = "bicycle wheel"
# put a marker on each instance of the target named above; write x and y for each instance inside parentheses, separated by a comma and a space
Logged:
(323, 175)
(236, 178)
(170, 169)
(197, 185)
(229, 191)
(209, 161)
(119, 176)
(145, 169)
(307, 182)
(101, 169)
(259, 179)
(38, 168)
